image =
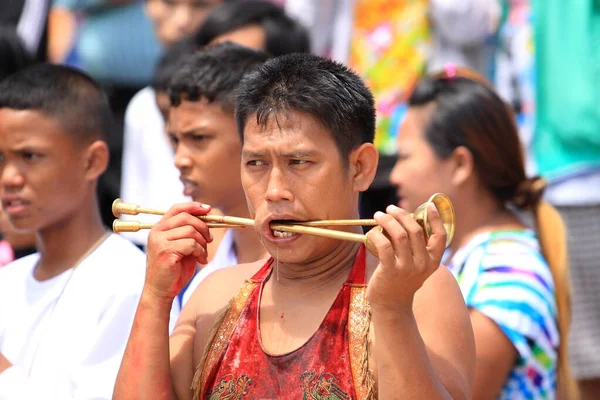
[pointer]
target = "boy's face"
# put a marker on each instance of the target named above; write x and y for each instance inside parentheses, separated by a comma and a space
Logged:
(207, 153)
(42, 171)
(175, 20)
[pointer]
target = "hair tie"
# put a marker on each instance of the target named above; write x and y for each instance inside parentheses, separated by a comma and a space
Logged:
(530, 192)
(451, 71)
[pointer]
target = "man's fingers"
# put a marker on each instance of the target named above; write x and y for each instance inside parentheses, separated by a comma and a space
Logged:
(396, 233)
(384, 247)
(416, 237)
(185, 219)
(186, 232)
(437, 241)
(187, 247)
(193, 208)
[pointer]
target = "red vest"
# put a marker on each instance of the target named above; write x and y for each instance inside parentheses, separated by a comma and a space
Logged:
(329, 366)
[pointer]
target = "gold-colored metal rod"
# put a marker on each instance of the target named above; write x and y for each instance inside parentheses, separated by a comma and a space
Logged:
(120, 226)
(134, 226)
(120, 208)
(328, 233)
(442, 203)
(339, 222)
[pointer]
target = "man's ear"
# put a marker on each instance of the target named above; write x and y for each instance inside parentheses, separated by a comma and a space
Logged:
(363, 166)
(96, 160)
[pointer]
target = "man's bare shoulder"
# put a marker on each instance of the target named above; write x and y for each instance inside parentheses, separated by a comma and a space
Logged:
(217, 289)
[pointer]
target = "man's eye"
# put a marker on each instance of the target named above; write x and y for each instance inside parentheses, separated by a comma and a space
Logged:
(255, 163)
(298, 162)
(31, 156)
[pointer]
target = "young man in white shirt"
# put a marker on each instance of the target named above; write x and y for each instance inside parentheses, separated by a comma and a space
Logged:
(66, 311)
(208, 149)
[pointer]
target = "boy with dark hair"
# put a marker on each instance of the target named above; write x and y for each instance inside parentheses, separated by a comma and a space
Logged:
(149, 174)
(66, 311)
(147, 163)
(201, 127)
(323, 317)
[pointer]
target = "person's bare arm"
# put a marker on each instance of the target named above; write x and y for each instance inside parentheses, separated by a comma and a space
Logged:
(495, 355)
(191, 334)
(423, 342)
(175, 244)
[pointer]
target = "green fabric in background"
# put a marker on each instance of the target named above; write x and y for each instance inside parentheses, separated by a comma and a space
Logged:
(567, 136)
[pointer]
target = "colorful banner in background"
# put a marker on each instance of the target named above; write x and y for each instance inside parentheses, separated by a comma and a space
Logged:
(390, 50)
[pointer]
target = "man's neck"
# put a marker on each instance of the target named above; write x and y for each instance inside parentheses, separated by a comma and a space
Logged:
(334, 267)
(63, 245)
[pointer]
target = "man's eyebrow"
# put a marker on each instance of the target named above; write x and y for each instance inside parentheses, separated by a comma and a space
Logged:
(191, 132)
(252, 154)
(299, 154)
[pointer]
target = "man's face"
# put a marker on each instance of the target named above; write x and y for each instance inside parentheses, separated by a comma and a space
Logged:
(207, 153)
(292, 170)
(42, 177)
(175, 20)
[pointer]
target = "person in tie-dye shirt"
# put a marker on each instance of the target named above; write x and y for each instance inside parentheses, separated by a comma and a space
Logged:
(461, 139)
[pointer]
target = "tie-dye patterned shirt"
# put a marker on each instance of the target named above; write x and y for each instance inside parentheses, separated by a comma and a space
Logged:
(503, 275)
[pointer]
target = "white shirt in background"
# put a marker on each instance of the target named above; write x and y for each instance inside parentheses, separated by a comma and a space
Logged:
(66, 336)
(149, 176)
(224, 257)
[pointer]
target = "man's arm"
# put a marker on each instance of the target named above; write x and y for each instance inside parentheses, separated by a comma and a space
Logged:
(427, 351)
(496, 357)
(175, 244)
(145, 370)
(195, 323)
(423, 341)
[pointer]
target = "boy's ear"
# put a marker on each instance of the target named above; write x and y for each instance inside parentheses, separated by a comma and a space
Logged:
(96, 159)
(363, 166)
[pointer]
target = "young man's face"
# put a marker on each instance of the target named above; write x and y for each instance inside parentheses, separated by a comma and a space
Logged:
(207, 153)
(293, 170)
(42, 178)
(175, 20)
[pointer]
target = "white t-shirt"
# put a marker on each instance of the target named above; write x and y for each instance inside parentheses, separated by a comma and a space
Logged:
(224, 257)
(66, 336)
(149, 176)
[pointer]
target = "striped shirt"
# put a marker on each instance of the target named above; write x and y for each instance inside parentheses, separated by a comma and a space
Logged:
(503, 275)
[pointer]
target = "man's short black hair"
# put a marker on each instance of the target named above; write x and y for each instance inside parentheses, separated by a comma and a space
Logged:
(168, 64)
(213, 74)
(324, 89)
(283, 35)
(62, 93)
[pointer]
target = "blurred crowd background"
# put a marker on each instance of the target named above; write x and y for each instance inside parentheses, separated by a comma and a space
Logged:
(541, 56)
